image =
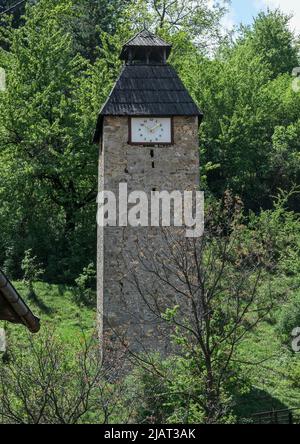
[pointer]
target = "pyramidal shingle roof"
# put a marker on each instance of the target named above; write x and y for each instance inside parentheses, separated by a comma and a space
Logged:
(148, 90)
(145, 39)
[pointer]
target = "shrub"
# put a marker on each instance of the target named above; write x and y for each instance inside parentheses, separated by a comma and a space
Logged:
(32, 270)
(289, 318)
(45, 381)
(86, 286)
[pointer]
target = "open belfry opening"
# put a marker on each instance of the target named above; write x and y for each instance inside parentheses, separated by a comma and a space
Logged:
(149, 111)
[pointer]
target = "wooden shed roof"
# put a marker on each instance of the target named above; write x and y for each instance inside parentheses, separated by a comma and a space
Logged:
(13, 308)
(148, 90)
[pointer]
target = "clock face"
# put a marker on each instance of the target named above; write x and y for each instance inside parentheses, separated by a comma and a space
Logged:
(153, 130)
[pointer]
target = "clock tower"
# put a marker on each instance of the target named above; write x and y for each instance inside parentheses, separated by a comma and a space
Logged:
(147, 132)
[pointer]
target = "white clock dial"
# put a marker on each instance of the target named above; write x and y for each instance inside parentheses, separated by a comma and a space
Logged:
(151, 130)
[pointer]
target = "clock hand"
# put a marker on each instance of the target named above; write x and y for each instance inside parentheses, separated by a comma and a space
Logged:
(154, 128)
(157, 126)
(151, 130)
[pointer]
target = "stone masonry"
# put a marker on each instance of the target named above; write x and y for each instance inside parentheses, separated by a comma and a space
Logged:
(122, 314)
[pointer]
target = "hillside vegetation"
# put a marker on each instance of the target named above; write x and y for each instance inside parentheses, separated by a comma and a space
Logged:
(61, 58)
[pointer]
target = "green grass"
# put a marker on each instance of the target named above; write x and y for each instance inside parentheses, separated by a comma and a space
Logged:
(275, 380)
(275, 377)
(56, 308)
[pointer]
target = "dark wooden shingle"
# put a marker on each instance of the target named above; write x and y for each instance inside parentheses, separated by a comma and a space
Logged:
(147, 90)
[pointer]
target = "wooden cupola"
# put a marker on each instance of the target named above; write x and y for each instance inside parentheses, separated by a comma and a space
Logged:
(145, 48)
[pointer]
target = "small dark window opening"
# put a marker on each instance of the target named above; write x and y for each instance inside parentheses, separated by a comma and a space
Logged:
(146, 56)
(154, 189)
(153, 166)
(152, 153)
(156, 56)
(139, 57)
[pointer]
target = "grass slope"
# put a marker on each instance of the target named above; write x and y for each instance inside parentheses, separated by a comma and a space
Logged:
(56, 307)
(274, 380)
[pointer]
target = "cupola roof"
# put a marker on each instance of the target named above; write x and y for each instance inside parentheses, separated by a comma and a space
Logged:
(144, 39)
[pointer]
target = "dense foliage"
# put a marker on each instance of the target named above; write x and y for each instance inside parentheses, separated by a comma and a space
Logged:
(61, 57)
(61, 62)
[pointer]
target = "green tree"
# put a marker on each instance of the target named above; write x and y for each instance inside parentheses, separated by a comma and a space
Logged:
(272, 39)
(48, 113)
(91, 18)
(251, 116)
(218, 283)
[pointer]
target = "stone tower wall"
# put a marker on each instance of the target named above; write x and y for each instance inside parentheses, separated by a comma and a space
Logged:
(122, 313)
